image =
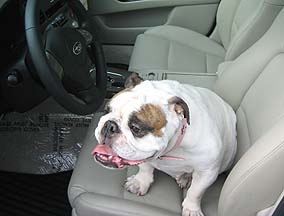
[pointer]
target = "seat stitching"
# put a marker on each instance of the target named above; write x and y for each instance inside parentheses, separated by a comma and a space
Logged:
(235, 28)
(231, 29)
(206, 62)
(254, 167)
(78, 187)
(169, 50)
(257, 76)
(168, 60)
(247, 124)
(94, 193)
(182, 44)
(240, 34)
(99, 207)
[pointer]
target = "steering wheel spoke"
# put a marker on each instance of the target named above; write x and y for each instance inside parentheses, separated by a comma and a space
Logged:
(87, 95)
(55, 64)
(86, 34)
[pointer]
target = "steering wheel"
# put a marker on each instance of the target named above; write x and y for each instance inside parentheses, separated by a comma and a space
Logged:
(64, 58)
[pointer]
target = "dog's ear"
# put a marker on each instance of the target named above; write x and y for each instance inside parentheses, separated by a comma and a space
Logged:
(180, 107)
(133, 80)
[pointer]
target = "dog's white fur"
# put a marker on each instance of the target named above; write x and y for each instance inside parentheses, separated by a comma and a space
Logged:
(208, 146)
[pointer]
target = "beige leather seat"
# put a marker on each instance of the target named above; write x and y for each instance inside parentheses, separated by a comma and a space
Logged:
(254, 85)
(171, 48)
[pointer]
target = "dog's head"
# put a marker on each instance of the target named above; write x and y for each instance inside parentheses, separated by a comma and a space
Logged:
(138, 124)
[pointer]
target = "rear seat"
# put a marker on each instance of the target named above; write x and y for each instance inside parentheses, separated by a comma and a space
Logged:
(171, 52)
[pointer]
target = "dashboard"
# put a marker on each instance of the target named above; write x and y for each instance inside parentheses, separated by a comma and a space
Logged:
(20, 87)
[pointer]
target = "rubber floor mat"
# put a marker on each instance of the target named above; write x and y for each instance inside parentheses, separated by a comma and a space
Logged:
(41, 143)
(34, 195)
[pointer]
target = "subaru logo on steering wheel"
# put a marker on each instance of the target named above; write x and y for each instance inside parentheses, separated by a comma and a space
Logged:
(77, 48)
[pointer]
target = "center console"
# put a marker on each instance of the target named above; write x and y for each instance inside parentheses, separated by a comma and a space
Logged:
(206, 80)
(116, 79)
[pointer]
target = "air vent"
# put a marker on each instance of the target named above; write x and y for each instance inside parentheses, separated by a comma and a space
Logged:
(54, 8)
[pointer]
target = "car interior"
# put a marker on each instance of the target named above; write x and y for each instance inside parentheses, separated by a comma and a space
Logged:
(62, 61)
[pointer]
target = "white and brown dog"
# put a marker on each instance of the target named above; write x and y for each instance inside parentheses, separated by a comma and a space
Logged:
(184, 131)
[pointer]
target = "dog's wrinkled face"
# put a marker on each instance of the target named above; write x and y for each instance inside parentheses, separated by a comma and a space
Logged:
(137, 126)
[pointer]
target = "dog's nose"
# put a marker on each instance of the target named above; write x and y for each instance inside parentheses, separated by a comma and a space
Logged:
(110, 128)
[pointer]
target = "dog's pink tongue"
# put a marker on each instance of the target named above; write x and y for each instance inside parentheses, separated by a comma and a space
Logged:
(103, 149)
(120, 162)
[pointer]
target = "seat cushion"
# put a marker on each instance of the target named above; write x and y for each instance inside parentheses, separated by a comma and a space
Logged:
(176, 49)
(97, 191)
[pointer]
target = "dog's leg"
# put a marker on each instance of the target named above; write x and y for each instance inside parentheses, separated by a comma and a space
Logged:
(201, 180)
(140, 183)
(184, 180)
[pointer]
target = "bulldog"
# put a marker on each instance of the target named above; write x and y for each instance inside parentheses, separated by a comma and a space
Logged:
(185, 131)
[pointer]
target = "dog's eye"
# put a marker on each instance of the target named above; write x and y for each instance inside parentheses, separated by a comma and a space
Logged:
(135, 129)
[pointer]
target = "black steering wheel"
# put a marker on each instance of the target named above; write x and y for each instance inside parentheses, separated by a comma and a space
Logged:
(64, 58)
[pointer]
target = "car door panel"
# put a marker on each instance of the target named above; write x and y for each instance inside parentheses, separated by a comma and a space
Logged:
(120, 22)
(115, 6)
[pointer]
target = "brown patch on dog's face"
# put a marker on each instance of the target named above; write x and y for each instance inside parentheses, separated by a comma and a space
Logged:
(150, 119)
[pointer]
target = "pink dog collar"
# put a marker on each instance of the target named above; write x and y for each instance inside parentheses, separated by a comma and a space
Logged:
(178, 142)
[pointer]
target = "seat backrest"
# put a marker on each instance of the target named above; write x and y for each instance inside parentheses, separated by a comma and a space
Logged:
(254, 85)
(240, 23)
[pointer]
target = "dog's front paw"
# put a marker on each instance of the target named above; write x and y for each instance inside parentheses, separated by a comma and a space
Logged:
(184, 180)
(188, 212)
(191, 209)
(137, 186)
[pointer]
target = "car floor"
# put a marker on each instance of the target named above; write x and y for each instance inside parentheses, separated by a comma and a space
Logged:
(30, 194)
(36, 161)
(41, 143)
